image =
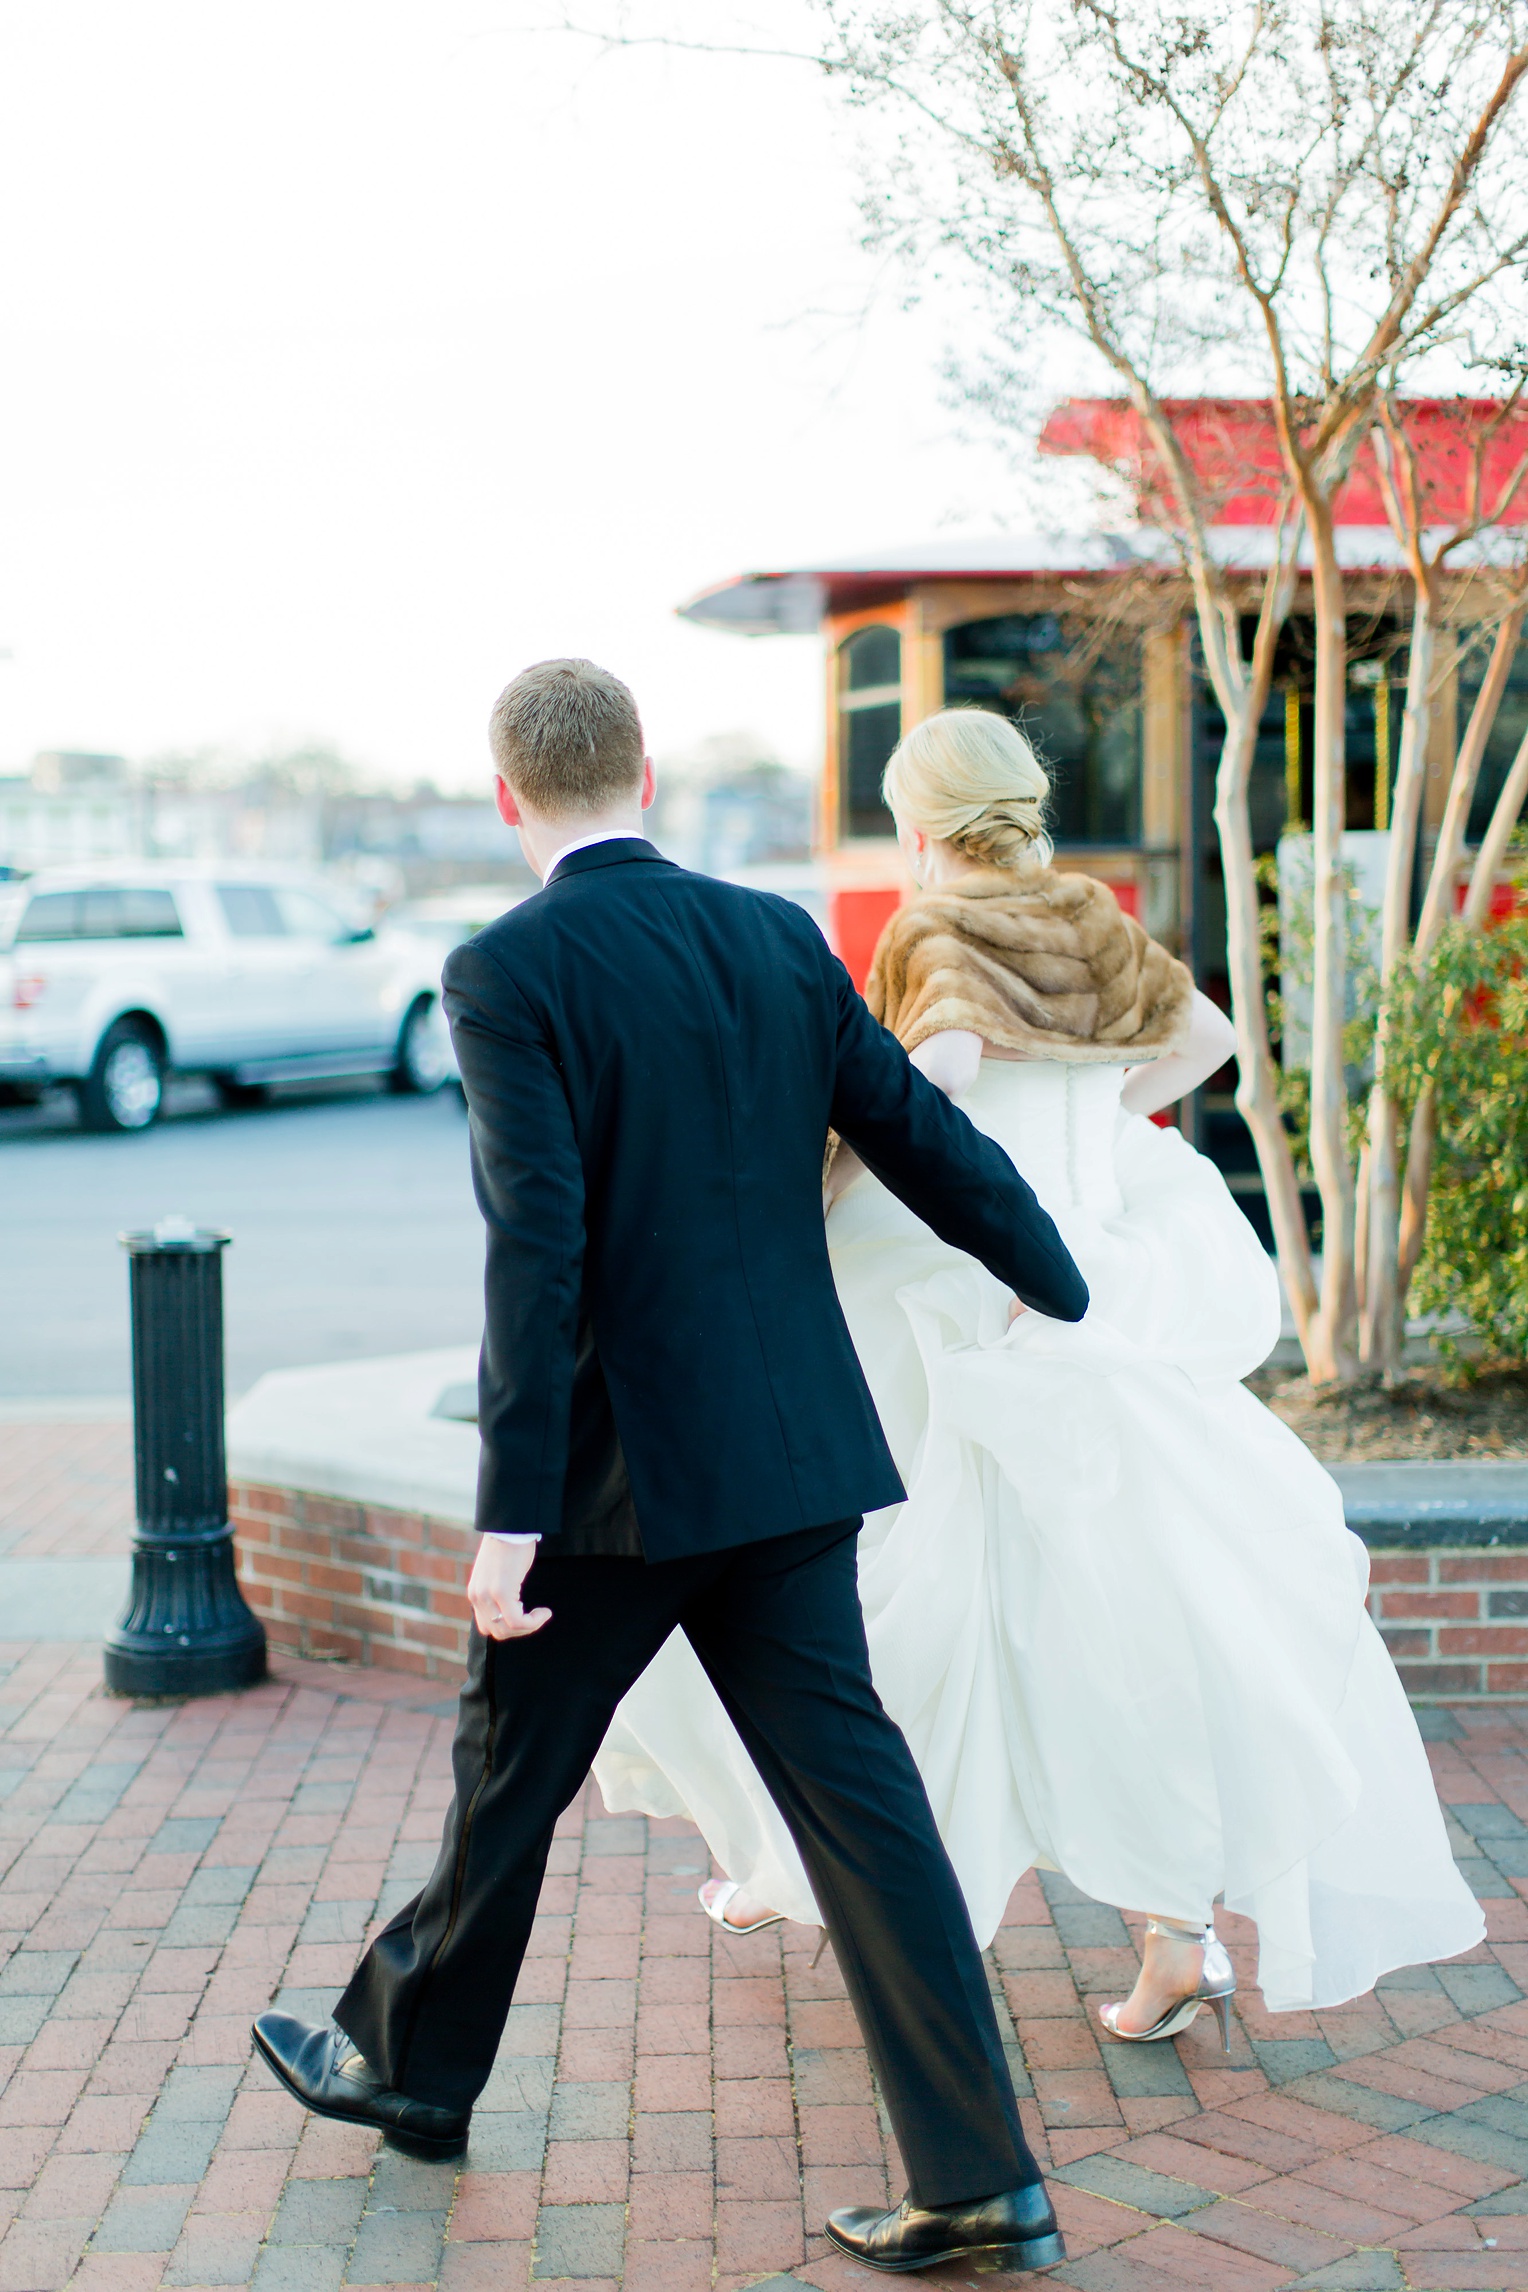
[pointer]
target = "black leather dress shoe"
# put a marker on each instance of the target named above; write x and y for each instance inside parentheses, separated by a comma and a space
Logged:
(1015, 2230)
(320, 2067)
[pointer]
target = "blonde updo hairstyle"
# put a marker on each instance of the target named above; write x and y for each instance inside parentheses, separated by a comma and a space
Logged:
(968, 777)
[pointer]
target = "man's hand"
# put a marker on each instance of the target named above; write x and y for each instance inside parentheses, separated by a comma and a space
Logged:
(493, 1589)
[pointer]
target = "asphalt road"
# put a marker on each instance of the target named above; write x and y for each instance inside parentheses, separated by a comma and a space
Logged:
(354, 1232)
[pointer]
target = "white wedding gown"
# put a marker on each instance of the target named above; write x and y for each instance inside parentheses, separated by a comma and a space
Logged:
(1119, 1617)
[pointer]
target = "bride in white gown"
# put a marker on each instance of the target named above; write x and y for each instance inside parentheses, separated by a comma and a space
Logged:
(1119, 1617)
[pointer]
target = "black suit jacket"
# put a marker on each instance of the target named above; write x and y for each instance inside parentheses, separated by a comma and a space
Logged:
(652, 1060)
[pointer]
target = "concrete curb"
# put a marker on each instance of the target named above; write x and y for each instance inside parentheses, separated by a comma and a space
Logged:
(1416, 1504)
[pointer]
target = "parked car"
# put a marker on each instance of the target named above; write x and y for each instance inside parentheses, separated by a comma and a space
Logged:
(449, 917)
(443, 919)
(114, 975)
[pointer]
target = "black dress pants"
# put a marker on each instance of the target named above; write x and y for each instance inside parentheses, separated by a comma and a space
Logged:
(778, 1627)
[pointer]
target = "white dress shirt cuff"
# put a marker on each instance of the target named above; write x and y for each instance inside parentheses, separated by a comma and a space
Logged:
(497, 1536)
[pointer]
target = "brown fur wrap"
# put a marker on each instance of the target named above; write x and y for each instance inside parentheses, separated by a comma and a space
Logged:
(1034, 961)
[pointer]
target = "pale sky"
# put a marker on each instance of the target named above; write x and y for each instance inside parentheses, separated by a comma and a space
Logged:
(357, 352)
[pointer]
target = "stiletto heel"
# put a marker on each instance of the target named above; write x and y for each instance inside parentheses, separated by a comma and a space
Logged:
(1215, 1987)
(817, 1953)
(1222, 2005)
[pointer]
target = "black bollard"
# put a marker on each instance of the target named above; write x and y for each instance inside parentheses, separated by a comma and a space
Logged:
(187, 1630)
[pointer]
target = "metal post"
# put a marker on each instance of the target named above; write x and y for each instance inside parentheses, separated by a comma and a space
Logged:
(187, 1630)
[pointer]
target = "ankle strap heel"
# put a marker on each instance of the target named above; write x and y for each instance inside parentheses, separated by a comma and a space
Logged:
(1215, 1988)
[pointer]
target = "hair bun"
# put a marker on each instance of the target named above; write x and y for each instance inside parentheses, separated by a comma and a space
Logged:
(968, 777)
(1004, 835)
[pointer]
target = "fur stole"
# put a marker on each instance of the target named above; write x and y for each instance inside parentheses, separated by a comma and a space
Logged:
(1035, 961)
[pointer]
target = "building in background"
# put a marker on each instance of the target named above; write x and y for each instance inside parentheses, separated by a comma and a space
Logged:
(256, 817)
(422, 842)
(73, 807)
(728, 807)
(70, 807)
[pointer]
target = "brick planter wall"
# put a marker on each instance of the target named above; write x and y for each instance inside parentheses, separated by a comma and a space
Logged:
(331, 1578)
(1455, 1619)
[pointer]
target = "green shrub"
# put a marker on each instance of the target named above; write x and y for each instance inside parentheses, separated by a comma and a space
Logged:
(1462, 1025)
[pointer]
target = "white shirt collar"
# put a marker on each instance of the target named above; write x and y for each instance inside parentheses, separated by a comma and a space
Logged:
(586, 843)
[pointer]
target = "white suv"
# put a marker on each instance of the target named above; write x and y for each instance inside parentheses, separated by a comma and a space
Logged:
(112, 975)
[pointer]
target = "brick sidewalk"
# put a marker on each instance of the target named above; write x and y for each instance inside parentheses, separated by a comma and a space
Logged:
(66, 1490)
(671, 2110)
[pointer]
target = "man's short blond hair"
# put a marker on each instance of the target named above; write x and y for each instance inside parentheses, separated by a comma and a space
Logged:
(567, 738)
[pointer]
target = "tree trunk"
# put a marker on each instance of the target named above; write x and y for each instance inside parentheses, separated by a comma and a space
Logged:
(1438, 905)
(1257, 1090)
(1383, 1332)
(1493, 848)
(1333, 1354)
(1419, 1162)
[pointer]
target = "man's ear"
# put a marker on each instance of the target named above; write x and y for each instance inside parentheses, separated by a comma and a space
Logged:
(509, 810)
(649, 782)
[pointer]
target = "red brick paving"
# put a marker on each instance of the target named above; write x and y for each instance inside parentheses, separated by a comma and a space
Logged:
(672, 2111)
(65, 1489)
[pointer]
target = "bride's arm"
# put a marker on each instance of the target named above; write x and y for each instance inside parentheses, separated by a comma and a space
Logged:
(1211, 1041)
(950, 1061)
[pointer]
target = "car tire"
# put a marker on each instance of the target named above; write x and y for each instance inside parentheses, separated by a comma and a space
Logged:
(239, 1097)
(124, 1089)
(424, 1063)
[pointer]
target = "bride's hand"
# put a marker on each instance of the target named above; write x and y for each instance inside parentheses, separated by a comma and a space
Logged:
(1014, 1310)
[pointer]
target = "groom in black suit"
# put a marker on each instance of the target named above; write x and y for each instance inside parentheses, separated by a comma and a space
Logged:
(676, 1433)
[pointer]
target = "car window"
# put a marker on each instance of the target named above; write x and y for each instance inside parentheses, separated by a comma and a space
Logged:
(309, 918)
(128, 911)
(250, 911)
(101, 911)
(51, 915)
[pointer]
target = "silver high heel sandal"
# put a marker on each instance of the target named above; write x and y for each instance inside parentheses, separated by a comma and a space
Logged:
(716, 1910)
(1216, 1987)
